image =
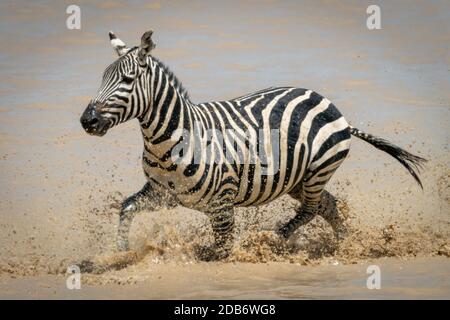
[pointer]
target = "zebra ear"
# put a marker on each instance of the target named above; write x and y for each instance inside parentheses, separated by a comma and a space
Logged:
(119, 46)
(146, 46)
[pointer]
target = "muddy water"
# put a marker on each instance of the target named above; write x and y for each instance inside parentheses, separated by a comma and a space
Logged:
(418, 279)
(60, 188)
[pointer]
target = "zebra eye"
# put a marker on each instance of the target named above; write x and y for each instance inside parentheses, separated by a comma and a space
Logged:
(127, 78)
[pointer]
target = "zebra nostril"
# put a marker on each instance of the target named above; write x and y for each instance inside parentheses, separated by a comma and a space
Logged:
(93, 122)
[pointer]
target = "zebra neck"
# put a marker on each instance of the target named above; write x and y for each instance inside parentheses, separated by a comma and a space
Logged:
(168, 111)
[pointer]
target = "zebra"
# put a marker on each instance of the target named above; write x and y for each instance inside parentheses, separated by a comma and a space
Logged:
(209, 157)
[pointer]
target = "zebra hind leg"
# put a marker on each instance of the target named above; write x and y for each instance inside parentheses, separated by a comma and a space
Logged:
(305, 214)
(222, 223)
(329, 211)
(309, 193)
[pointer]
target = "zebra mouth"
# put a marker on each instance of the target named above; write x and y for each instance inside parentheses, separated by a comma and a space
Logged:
(98, 131)
(93, 122)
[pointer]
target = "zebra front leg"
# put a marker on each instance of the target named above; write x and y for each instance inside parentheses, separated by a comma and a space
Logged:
(146, 199)
(223, 226)
(132, 205)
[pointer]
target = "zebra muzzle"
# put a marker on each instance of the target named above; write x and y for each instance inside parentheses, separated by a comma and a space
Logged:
(92, 121)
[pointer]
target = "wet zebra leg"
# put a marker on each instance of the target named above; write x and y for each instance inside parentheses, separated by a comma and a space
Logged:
(223, 227)
(309, 193)
(222, 223)
(132, 205)
(305, 214)
(329, 211)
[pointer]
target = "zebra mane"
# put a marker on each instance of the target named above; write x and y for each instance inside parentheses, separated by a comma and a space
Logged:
(172, 78)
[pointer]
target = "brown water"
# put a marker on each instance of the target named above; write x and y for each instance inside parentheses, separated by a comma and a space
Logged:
(58, 184)
(418, 279)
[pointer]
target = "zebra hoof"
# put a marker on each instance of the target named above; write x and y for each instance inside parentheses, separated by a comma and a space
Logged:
(89, 266)
(108, 262)
(284, 233)
(86, 266)
(210, 253)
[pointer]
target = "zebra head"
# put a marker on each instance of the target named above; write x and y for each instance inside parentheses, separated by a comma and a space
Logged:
(122, 95)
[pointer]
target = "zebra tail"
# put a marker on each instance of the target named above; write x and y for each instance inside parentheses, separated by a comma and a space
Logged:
(411, 162)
